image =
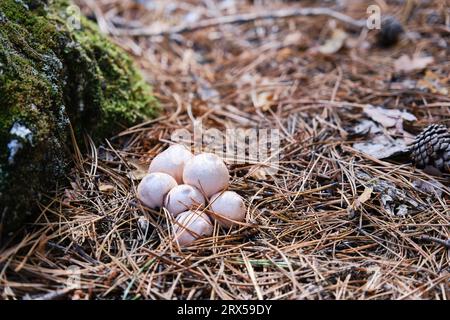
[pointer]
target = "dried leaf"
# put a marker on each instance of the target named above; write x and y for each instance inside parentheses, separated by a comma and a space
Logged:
(292, 39)
(263, 100)
(137, 174)
(258, 172)
(140, 172)
(407, 64)
(381, 147)
(388, 117)
(365, 127)
(365, 195)
(394, 200)
(284, 54)
(105, 187)
(432, 187)
(335, 43)
(433, 83)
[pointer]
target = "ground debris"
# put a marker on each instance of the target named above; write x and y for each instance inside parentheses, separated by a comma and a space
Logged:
(431, 187)
(408, 64)
(388, 118)
(382, 146)
(394, 200)
(382, 140)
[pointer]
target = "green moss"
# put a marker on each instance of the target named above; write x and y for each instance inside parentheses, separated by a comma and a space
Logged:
(120, 89)
(51, 76)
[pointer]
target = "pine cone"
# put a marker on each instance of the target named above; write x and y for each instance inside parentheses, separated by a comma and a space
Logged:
(390, 32)
(432, 148)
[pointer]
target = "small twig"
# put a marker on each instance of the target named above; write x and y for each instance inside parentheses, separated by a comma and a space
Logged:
(76, 249)
(58, 294)
(247, 17)
(445, 243)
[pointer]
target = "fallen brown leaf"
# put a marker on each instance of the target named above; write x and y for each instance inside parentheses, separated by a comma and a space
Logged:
(388, 117)
(407, 64)
(381, 146)
(433, 83)
(335, 43)
(105, 187)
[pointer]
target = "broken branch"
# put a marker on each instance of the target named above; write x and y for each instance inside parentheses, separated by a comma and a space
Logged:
(247, 17)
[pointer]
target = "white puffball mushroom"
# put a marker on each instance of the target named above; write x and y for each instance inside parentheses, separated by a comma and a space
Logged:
(190, 226)
(207, 172)
(154, 187)
(228, 205)
(182, 198)
(171, 161)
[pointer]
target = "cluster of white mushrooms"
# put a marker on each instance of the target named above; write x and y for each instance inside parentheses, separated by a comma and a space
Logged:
(193, 190)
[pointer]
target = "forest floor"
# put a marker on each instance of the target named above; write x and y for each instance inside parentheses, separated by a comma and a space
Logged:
(343, 217)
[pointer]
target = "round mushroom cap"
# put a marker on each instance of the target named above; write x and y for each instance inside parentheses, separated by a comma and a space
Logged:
(182, 198)
(171, 161)
(207, 172)
(154, 187)
(190, 226)
(228, 205)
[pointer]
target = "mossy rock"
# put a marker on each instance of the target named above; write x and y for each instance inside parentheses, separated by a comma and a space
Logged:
(56, 72)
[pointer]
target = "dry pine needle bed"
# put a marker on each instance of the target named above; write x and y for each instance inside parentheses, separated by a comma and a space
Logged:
(334, 222)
